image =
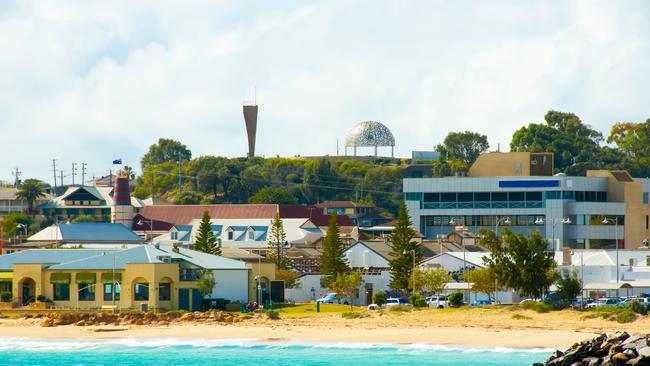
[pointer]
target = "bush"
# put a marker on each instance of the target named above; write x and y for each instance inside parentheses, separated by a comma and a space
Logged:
(353, 315)
(379, 298)
(6, 297)
(43, 298)
(456, 300)
(625, 316)
(636, 307)
(418, 301)
(517, 316)
(273, 314)
(400, 308)
(537, 306)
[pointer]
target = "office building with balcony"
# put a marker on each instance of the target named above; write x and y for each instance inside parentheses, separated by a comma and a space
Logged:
(517, 191)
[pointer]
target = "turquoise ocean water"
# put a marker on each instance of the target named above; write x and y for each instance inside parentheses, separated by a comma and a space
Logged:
(169, 351)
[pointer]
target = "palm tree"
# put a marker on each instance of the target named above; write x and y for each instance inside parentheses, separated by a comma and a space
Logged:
(31, 190)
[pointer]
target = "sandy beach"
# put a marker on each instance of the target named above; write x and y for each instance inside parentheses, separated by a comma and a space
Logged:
(449, 327)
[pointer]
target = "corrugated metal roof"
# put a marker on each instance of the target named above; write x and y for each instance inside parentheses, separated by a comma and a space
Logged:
(87, 232)
(45, 256)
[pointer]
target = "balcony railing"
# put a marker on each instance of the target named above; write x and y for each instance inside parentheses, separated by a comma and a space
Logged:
(482, 204)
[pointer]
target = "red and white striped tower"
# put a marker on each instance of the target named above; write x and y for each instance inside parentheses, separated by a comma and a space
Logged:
(123, 212)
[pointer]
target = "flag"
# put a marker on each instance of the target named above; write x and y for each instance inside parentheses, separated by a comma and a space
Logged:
(118, 161)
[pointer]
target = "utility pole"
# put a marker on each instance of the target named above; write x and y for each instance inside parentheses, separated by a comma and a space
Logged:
(83, 173)
(62, 176)
(74, 171)
(54, 172)
(16, 173)
(179, 171)
(110, 177)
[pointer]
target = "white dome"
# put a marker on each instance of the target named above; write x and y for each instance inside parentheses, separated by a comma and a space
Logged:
(369, 133)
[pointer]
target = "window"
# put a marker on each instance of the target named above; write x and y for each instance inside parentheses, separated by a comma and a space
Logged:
(448, 197)
(230, 235)
(516, 196)
(482, 196)
(108, 292)
(141, 291)
(174, 235)
(61, 291)
(499, 196)
(533, 196)
(645, 198)
(552, 195)
(431, 197)
(86, 292)
(465, 197)
(251, 235)
(165, 291)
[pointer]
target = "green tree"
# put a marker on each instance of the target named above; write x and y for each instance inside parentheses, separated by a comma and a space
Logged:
(30, 190)
(482, 280)
(289, 277)
(432, 280)
(9, 224)
(332, 259)
(379, 298)
(456, 300)
(347, 285)
(464, 146)
(277, 237)
(404, 251)
(206, 282)
(205, 240)
(564, 134)
(188, 198)
(520, 262)
(86, 218)
(568, 288)
(274, 195)
(129, 171)
(165, 150)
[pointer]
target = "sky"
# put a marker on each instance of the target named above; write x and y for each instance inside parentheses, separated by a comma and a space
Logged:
(93, 81)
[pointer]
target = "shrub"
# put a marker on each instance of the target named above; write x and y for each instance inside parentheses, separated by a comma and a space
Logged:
(43, 298)
(273, 314)
(399, 308)
(456, 300)
(379, 298)
(636, 307)
(625, 316)
(418, 301)
(517, 316)
(6, 297)
(537, 306)
(353, 315)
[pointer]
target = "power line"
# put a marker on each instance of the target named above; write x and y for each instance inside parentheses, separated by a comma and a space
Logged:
(83, 173)
(74, 172)
(54, 173)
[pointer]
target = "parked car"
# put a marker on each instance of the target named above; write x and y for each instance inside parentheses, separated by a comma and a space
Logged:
(580, 303)
(604, 301)
(438, 302)
(394, 301)
(643, 300)
(331, 298)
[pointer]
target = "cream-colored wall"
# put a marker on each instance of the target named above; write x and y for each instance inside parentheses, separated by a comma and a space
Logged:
(22, 272)
(265, 270)
(494, 164)
(152, 274)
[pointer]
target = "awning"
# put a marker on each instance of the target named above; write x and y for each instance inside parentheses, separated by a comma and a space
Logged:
(606, 285)
(6, 276)
(107, 277)
(86, 277)
(60, 278)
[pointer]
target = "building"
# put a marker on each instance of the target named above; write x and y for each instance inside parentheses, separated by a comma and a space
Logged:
(245, 233)
(145, 276)
(9, 203)
(159, 220)
(84, 200)
(361, 214)
(516, 190)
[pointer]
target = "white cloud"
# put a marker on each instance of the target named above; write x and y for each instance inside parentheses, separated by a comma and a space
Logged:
(91, 82)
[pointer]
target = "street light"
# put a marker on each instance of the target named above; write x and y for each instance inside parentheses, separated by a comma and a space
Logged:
(412, 251)
(563, 221)
(606, 221)
(24, 227)
(506, 220)
(141, 223)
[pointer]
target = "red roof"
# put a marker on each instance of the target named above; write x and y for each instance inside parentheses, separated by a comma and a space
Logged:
(183, 214)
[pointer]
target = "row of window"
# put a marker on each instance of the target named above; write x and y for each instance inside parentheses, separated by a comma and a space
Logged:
(517, 220)
(501, 197)
(77, 211)
(595, 243)
(86, 292)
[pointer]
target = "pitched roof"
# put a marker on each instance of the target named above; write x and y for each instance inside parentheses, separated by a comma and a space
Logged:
(94, 259)
(170, 215)
(87, 232)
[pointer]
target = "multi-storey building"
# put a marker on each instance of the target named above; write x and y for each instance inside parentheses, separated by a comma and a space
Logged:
(517, 191)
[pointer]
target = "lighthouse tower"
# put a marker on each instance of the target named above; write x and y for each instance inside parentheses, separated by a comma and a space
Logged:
(122, 209)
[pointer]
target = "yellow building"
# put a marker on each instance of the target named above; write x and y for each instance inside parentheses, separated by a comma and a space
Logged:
(144, 277)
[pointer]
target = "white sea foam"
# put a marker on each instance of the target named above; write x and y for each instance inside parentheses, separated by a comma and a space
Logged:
(72, 345)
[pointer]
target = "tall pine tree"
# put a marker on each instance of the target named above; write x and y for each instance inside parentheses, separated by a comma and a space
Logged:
(403, 250)
(277, 236)
(205, 240)
(332, 259)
